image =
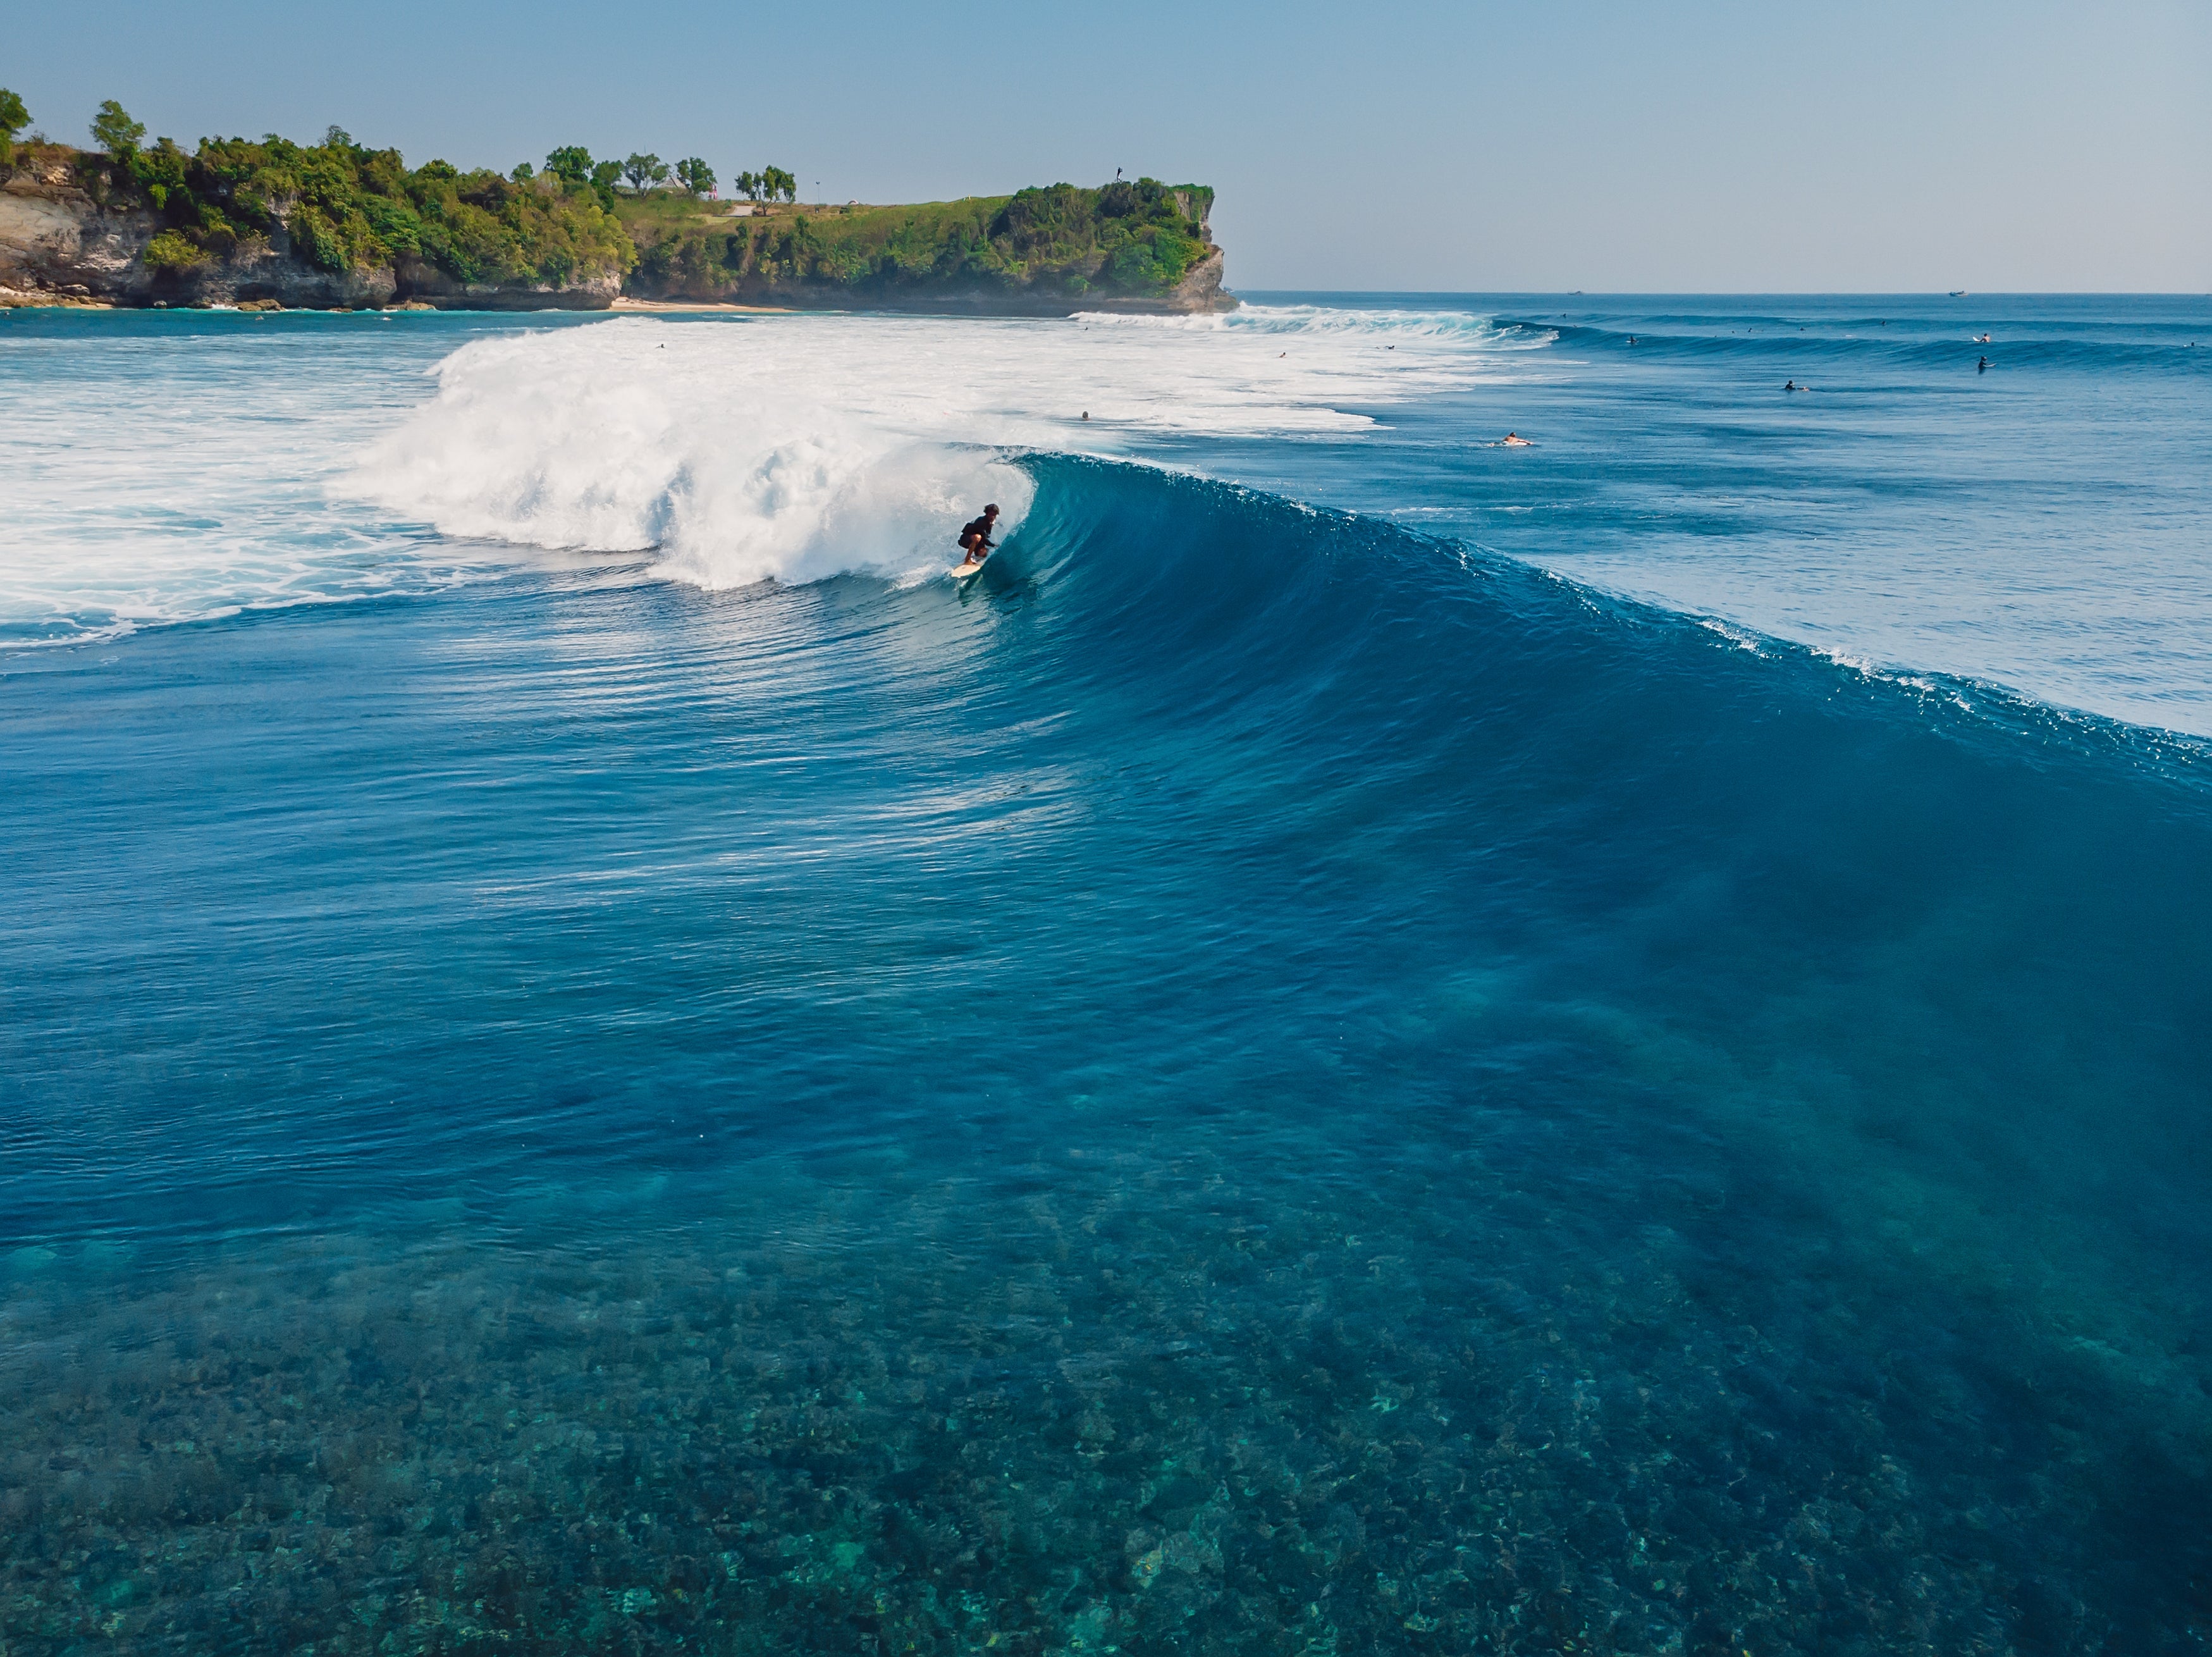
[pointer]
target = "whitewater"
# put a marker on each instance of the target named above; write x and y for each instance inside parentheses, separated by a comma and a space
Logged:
(1372, 1042)
(807, 448)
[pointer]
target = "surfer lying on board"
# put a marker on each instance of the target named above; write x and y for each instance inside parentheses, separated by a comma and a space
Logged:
(976, 537)
(1515, 440)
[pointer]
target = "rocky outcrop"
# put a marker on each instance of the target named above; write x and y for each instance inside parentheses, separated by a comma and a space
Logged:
(58, 240)
(1201, 287)
(58, 246)
(1198, 291)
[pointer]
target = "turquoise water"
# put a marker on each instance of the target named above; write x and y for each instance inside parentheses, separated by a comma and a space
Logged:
(1372, 1043)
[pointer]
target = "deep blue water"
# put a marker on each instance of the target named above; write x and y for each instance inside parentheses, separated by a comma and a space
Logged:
(1274, 1077)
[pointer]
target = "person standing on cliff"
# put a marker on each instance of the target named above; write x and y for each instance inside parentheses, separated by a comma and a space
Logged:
(976, 537)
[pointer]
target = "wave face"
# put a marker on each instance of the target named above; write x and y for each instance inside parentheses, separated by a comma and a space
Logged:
(1255, 1081)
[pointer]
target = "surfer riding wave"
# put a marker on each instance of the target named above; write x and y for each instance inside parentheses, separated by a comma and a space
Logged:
(975, 536)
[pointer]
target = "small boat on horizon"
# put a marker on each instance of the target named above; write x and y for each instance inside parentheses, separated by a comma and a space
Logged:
(1958, 293)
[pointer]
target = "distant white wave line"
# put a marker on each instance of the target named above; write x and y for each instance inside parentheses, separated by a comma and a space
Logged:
(1462, 326)
(796, 447)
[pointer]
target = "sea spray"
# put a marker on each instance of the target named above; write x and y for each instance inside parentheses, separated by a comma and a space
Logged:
(709, 459)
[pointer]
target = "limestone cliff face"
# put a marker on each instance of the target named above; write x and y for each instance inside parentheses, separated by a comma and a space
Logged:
(1201, 287)
(58, 245)
(62, 242)
(57, 239)
(1198, 291)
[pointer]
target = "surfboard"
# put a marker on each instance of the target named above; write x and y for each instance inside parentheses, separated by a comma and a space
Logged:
(964, 571)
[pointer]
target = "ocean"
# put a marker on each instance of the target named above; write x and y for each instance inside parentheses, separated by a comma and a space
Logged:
(1373, 1041)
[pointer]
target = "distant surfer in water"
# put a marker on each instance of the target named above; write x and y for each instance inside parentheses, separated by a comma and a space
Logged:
(1981, 367)
(1515, 440)
(1792, 386)
(976, 537)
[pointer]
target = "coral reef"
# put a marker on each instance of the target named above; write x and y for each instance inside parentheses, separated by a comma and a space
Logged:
(1137, 1406)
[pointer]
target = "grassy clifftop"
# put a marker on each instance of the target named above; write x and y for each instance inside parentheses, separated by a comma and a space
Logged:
(1145, 244)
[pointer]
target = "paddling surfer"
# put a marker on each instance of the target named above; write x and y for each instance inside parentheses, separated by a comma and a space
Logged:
(976, 537)
(1515, 440)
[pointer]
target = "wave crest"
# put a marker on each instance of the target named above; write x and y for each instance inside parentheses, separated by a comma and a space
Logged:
(571, 440)
(799, 446)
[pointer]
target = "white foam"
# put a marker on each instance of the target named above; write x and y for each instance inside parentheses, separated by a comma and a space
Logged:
(156, 474)
(152, 480)
(794, 448)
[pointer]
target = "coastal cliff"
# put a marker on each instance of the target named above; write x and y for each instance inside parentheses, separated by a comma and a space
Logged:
(58, 246)
(338, 226)
(326, 226)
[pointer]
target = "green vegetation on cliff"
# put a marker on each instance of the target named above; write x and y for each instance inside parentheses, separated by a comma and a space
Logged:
(342, 206)
(14, 118)
(1122, 241)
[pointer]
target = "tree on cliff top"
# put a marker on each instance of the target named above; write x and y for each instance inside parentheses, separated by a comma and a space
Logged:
(770, 183)
(604, 179)
(113, 131)
(571, 163)
(14, 118)
(695, 175)
(644, 170)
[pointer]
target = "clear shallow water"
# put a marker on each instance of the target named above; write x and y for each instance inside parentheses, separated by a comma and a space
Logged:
(1260, 1083)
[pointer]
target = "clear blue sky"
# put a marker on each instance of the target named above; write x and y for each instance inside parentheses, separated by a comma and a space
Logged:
(1469, 146)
